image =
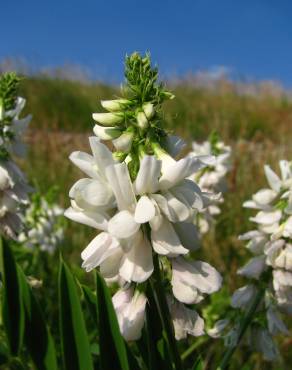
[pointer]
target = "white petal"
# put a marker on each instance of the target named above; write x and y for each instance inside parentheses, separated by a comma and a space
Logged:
(165, 240)
(119, 179)
(123, 225)
(179, 211)
(102, 155)
(178, 171)
(96, 220)
(272, 178)
(195, 275)
(267, 218)
(264, 196)
(137, 264)
(101, 247)
(145, 210)
(85, 162)
(109, 268)
(254, 268)
(148, 175)
(188, 235)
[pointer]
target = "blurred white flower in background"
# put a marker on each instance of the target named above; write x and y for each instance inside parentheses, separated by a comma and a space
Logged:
(270, 270)
(212, 179)
(43, 227)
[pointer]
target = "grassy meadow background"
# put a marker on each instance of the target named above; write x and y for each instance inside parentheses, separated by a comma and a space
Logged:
(256, 120)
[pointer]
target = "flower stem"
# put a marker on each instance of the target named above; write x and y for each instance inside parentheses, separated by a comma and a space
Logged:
(164, 313)
(242, 329)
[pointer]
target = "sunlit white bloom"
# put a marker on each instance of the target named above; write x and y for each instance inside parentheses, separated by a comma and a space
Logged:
(130, 310)
(185, 320)
(191, 280)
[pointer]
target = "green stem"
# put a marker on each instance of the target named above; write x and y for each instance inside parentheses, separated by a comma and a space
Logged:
(164, 313)
(242, 329)
(193, 347)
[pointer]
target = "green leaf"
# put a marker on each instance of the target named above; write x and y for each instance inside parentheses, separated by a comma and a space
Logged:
(113, 353)
(90, 300)
(199, 365)
(157, 345)
(74, 339)
(12, 308)
(37, 336)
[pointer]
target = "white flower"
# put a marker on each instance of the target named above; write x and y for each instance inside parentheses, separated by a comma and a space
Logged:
(92, 198)
(130, 310)
(242, 297)
(185, 320)
(192, 279)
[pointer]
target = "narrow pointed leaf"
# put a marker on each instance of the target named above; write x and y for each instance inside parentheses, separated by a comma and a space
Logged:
(113, 353)
(37, 336)
(74, 339)
(12, 308)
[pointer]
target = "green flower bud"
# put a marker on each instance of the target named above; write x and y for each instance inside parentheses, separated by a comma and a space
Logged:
(108, 119)
(124, 142)
(106, 133)
(149, 110)
(115, 105)
(1, 110)
(142, 120)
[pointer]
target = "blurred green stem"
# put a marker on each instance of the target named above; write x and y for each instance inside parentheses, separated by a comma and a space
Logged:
(242, 329)
(160, 297)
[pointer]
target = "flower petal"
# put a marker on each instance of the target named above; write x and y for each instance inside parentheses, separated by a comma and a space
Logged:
(123, 225)
(137, 264)
(145, 210)
(165, 240)
(98, 220)
(119, 178)
(148, 175)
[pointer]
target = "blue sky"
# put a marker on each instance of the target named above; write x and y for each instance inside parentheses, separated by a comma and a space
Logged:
(253, 38)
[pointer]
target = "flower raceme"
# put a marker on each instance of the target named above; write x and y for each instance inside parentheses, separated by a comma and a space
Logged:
(13, 185)
(212, 178)
(166, 200)
(143, 202)
(270, 270)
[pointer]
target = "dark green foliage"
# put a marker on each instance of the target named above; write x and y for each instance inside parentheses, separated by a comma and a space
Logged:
(9, 83)
(74, 339)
